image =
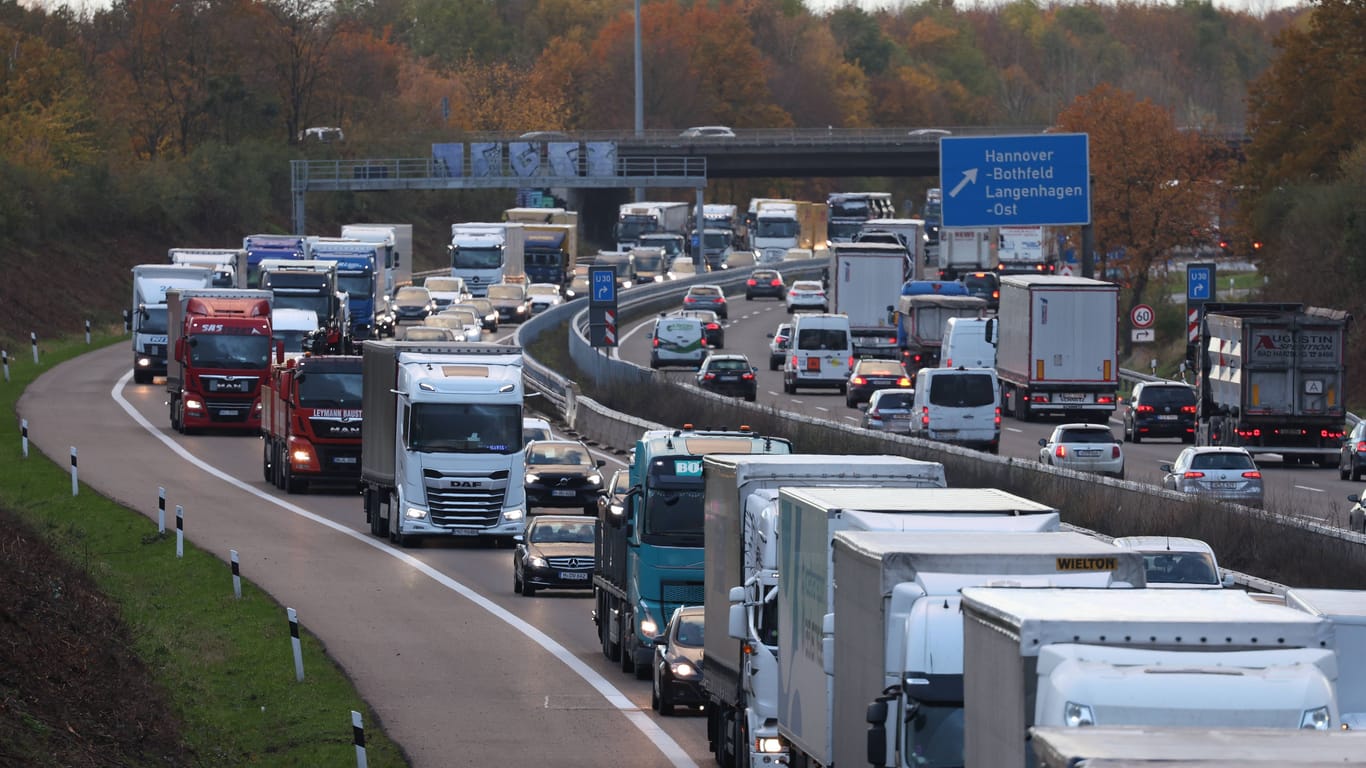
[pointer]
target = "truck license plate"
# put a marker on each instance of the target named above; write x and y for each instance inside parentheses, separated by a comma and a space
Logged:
(228, 412)
(1072, 397)
(573, 576)
(463, 532)
(565, 494)
(345, 459)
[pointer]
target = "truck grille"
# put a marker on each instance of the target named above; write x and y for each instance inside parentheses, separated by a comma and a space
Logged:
(335, 428)
(234, 385)
(465, 498)
(682, 593)
(339, 460)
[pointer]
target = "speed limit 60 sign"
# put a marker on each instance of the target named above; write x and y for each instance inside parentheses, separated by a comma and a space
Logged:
(1142, 316)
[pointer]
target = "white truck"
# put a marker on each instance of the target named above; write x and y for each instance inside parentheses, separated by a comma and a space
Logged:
(1057, 351)
(865, 278)
(741, 576)
(911, 233)
(442, 452)
(484, 253)
(636, 219)
(808, 519)
(396, 242)
(966, 249)
(1032, 250)
(780, 226)
(229, 265)
(1346, 608)
(1144, 657)
(147, 317)
(898, 641)
(1194, 747)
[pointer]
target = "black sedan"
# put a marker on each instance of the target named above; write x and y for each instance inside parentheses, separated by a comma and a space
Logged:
(555, 552)
(729, 375)
(562, 473)
(765, 282)
(678, 662)
(870, 375)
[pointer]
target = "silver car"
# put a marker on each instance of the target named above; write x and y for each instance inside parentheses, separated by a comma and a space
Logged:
(1084, 448)
(1218, 472)
(888, 410)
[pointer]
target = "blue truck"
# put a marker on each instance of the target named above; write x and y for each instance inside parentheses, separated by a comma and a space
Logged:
(649, 550)
(260, 247)
(356, 276)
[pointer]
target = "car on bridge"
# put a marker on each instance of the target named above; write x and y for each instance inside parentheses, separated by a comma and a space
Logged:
(729, 375)
(708, 132)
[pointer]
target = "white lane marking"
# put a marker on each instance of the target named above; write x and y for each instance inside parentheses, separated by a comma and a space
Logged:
(771, 392)
(1014, 429)
(795, 400)
(852, 418)
(822, 408)
(622, 339)
(1307, 488)
(671, 749)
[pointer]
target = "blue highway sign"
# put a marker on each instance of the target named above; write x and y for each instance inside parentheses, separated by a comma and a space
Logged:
(603, 281)
(991, 181)
(1199, 282)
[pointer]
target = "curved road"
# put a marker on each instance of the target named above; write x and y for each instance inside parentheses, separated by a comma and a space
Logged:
(459, 669)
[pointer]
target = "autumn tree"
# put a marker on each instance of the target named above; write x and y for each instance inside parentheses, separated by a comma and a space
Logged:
(1151, 181)
(295, 52)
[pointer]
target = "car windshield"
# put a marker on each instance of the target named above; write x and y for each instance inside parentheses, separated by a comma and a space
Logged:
(704, 292)
(689, 630)
(879, 370)
(464, 428)
(803, 285)
(962, 390)
(897, 402)
(1180, 568)
(574, 532)
(412, 294)
(542, 289)
(764, 277)
(505, 291)
(334, 389)
(426, 333)
(980, 285)
(446, 284)
(559, 455)
(1167, 396)
(1086, 436)
(1222, 460)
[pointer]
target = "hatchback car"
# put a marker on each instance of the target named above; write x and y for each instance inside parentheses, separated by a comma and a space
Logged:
(779, 342)
(562, 473)
(765, 282)
(482, 309)
(554, 552)
(1352, 457)
(543, 296)
(412, 304)
(678, 662)
(510, 301)
(806, 294)
(1174, 562)
(535, 429)
(729, 375)
(889, 410)
(1083, 448)
(712, 329)
(462, 321)
(870, 375)
(1160, 409)
(426, 333)
(578, 284)
(1219, 472)
(707, 297)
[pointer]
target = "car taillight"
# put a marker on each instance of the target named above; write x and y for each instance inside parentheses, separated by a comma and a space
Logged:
(916, 359)
(1114, 452)
(720, 299)
(708, 376)
(1060, 451)
(1253, 475)
(656, 342)
(1187, 409)
(794, 361)
(752, 281)
(1193, 475)
(858, 380)
(1144, 409)
(1361, 446)
(713, 327)
(851, 361)
(748, 377)
(776, 282)
(997, 419)
(996, 294)
(875, 414)
(689, 300)
(903, 382)
(925, 416)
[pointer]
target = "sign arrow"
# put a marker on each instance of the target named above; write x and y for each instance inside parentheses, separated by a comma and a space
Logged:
(970, 175)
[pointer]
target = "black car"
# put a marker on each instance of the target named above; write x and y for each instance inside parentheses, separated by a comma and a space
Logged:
(765, 282)
(412, 304)
(1160, 409)
(870, 375)
(562, 473)
(510, 301)
(611, 504)
(1352, 459)
(555, 552)
(729, 375)
(713, 332)
(984, 285)
(678, 662)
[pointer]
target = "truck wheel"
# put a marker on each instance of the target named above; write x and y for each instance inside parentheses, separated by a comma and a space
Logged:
(379, 526)
(175, 415)
(609, 649)
(265, 459)
(628, 645)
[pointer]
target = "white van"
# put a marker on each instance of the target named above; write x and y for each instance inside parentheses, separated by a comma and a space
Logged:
(821, 353)
(969, 342)
(958, 405)
(678, 341)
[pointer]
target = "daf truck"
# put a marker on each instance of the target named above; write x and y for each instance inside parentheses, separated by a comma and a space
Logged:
(1212, 658)
(311, 422)
(864, 278)
(442, 451)
(147, 318)
(220, 350)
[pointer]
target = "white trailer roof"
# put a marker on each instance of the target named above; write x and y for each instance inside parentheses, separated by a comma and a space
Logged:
(829, 467)
(904, 555)
(946, 500)
(1343, 606)
(1057, 281)
(859, 520)
(1201, 746)
(1204, 618)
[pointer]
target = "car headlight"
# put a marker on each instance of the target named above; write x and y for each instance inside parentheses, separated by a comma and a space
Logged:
(532, 477)
(413, 513)
(521, 309)
(1075, 715)
(537, 562)
(1315, 719)
(595, 479)
(490, 317)
(683, 669)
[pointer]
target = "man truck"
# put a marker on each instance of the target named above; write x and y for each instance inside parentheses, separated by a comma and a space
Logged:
(220, 350)
(311, 422)
(442, 451)
(147, 317)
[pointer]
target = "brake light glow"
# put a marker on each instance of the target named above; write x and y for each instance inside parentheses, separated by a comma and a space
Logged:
(713, 327)
(1147, 409)
(903, 382)
(925, 416)
(1253, 475)
(1060, 451)
(998, 417)
(1193, 475)
(1361, 446)
(752, 281)
(689, 299)
(1188, 409)
(748, 377)
(720, 299)
(776, 282)
(1105, 399)
(708, 376)
(858, 380)
(851, 361)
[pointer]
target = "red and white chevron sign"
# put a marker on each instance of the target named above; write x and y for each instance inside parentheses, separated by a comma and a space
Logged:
(609, 330)
(1192, 325)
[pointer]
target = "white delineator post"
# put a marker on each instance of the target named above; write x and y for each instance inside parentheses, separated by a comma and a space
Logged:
(4, 356)
(161, 510)
(358, 738)
(75, 484)
(236, 576)
(23, 440)
(294, 642)
(33, 339)
(87, 332)
(179, 531)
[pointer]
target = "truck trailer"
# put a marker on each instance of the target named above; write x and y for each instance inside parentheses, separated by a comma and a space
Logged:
(920, 323)
(220, 351)
(1195, 747)
(1057, 351)
(442, 452)
(311, 422)
(864, 278)
(966, 249)
(1143, 657)
(1272, 379)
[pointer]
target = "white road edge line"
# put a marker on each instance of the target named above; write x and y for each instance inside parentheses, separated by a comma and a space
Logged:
(671, 749)
(1307, 488)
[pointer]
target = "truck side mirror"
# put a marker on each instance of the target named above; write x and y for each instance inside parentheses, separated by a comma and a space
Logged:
(1227, 582)
(735, 621)
(991, 331)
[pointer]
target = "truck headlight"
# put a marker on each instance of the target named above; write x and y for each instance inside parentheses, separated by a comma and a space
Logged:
(514, 514)
(1075, 715)
(648, 627)
(413, 513)
(191, 404)
(1315, 719)
(143, 362)
(595, 479)
(768, 744)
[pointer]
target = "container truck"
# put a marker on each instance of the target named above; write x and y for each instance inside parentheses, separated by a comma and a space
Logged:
(487, 253)
(740, 675)
(1209, 658)
(260, 247)
(1272, 379)
(636, 219)
(865, 277)
(911, 233)
(220, 351)
(966, 249)
(229, 265)
(442, 451)
(898, 639)
(1194, 747)
(808, 519)
(783, 225)
(147, 317)
(311, 422)
(1026, 250)
(396, 248)
(358, 276)
(311, 285)
(1057, 347)
(649, 557)
(551, 253)
(920, 320)
(558, 216)
(1346, 608)
(849, 211)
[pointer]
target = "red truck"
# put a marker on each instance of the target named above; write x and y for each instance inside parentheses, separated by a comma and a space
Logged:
(310, 422)
(220, 345)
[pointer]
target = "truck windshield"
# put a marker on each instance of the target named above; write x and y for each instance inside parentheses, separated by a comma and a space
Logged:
(649, 263)
(633, 228)
(935, 736)
(330, 390)
(776, 228)
(358, 287)
(213, 350)
(673, 517)
(153, 320)
(292, 339)
(845, 230)
(477, 258)
(318, 305)
(465, 428)
(716, 240)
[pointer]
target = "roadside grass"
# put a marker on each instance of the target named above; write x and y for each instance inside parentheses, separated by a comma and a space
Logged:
(226, 665)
